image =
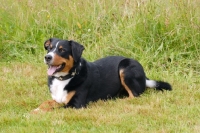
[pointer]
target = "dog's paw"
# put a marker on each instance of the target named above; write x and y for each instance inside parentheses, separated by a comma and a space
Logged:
(41, 110)
(36, 111)
(47, 106)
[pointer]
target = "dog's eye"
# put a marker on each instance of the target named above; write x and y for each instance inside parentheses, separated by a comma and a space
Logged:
(61, 50)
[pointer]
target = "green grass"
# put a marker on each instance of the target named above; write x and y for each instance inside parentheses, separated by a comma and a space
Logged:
(163, 35)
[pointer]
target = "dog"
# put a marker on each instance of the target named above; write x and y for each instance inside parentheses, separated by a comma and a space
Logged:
(74, 82)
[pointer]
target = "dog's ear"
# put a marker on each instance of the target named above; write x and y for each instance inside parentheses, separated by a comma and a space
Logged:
(47, 43)
(77, 50)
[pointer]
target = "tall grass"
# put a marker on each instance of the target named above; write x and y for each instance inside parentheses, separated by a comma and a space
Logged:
(163, 35)
(169, 28)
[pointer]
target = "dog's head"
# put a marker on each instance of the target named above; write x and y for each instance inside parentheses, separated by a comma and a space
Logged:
(61, 55)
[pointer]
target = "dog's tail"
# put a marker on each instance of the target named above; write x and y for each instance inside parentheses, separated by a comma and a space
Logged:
(159, 85)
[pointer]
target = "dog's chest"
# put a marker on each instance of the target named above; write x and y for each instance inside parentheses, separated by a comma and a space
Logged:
(57, 90)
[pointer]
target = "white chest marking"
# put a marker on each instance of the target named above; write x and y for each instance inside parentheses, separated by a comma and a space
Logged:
(57, 90)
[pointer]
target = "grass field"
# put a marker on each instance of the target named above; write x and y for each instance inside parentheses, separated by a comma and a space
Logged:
(163, 35)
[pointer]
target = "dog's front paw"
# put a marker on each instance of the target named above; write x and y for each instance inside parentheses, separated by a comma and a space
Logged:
(40, 110)
(35, 111)
(46, 106)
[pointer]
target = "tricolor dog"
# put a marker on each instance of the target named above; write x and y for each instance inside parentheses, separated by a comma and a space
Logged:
(74, 82)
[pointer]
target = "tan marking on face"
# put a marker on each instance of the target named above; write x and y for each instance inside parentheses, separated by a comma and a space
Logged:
(58, 60)
(124, 84)
(69, 96)
(60, 47)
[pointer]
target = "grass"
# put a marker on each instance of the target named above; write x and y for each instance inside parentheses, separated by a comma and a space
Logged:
(162, 35)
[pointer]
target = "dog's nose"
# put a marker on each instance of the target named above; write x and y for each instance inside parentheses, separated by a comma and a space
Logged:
(48, 58)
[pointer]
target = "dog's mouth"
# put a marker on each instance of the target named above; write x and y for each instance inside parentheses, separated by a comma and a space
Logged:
(54, 69)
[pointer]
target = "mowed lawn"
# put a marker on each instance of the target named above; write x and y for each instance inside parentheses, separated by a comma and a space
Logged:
(163, 35)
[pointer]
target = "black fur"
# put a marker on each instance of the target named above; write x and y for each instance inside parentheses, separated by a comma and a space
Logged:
(77, 50)
(163, 85)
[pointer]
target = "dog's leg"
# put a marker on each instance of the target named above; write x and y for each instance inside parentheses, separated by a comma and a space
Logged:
(124, 84)
(69, 96)
(52, 104)
(47, 106)
(132, 77)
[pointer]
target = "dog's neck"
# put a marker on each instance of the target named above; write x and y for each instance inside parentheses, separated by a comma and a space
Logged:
(73, 72)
